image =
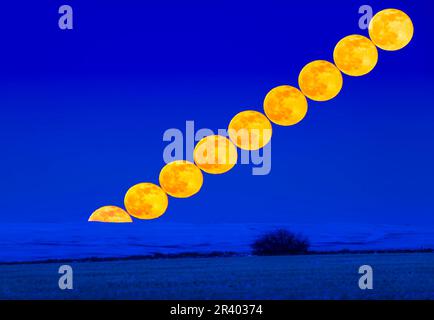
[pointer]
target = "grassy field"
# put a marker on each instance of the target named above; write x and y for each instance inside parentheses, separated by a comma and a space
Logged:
(396, 276)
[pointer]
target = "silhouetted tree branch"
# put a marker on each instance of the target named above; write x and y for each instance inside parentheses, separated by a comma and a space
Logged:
(280, 242)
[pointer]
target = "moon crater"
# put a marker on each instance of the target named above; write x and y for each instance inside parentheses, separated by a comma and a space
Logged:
(391, 29)
(181, 179)
(320, 80)
(146, 201)
(250, 130)
(285, 105)
(110, 214)
(215, 154)
(355, 55)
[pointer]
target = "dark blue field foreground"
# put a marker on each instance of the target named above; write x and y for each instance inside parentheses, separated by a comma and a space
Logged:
(396, 276)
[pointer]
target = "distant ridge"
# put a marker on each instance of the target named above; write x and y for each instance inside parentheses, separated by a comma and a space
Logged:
(207, 255)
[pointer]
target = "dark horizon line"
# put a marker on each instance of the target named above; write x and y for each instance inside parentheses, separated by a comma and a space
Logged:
(214, 254)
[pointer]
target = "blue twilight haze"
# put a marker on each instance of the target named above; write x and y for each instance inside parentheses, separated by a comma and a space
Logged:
(83, 111)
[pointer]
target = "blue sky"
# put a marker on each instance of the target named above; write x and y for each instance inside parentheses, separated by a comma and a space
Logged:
(83, 112)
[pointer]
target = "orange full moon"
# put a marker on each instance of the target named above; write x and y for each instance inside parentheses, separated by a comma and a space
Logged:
(285, 105)
(215, 154)
(355, 55)
(320, 80)
(110, 214)
(146, 201)
(391, 29)
(250, 130)
(181, 179)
